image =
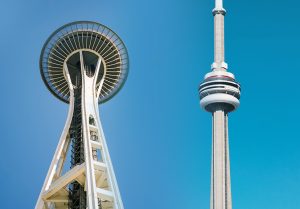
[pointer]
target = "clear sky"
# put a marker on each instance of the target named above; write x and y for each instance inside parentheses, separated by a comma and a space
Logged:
(159, 138)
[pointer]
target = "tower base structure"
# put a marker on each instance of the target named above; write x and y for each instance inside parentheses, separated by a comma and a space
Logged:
(91, 182)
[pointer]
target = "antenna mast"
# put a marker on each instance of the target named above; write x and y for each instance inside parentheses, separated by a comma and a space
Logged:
(219, 51)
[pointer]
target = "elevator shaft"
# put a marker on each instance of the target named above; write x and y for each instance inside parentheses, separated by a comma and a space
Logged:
(77, 195)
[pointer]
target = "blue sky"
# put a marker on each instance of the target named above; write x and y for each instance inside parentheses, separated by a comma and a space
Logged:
(159, 138)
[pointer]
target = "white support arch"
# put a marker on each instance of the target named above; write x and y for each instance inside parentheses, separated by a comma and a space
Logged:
(97, 177)
(61, 150)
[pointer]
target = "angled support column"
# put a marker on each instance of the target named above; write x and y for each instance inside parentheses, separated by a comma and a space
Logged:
(94, 141)
(61, 151)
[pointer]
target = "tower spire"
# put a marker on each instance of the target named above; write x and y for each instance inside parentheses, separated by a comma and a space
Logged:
(219, 4)
(219, 50)
(219, 94)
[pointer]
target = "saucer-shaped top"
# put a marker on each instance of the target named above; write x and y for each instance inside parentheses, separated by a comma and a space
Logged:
(84, 36)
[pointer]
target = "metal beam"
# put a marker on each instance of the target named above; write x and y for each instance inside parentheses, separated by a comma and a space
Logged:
(64, 180)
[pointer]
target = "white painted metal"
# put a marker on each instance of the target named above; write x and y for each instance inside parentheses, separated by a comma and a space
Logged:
(110, 170)
(64, 180)
(60, 152)
(95, 173)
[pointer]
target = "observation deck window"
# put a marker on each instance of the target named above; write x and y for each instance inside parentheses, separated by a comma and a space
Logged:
(94, 136)
(97, 155)
(92, 120)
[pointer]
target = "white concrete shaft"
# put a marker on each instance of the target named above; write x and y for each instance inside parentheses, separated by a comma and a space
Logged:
(219, 4)
(220, 182)
(89, 105)
(219, 56)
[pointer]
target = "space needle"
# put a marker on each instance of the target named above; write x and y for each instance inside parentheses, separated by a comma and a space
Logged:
(83, 64)
(220, 94)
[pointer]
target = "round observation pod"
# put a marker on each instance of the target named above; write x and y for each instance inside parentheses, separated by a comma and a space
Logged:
(94, 40)
(219, 90)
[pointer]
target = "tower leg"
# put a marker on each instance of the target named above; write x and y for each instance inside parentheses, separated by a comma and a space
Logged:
(90, 183)
(60, 154)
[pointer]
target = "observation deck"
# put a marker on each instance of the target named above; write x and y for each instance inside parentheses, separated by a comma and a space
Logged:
(219, 90)
(95, 41)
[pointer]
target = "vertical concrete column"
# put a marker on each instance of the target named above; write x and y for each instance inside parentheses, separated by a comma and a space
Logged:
(228, 183)
(219, 4)
(219, 44)
(221, 194)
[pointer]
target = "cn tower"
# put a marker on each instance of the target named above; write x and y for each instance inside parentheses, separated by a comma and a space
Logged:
(220, 95)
